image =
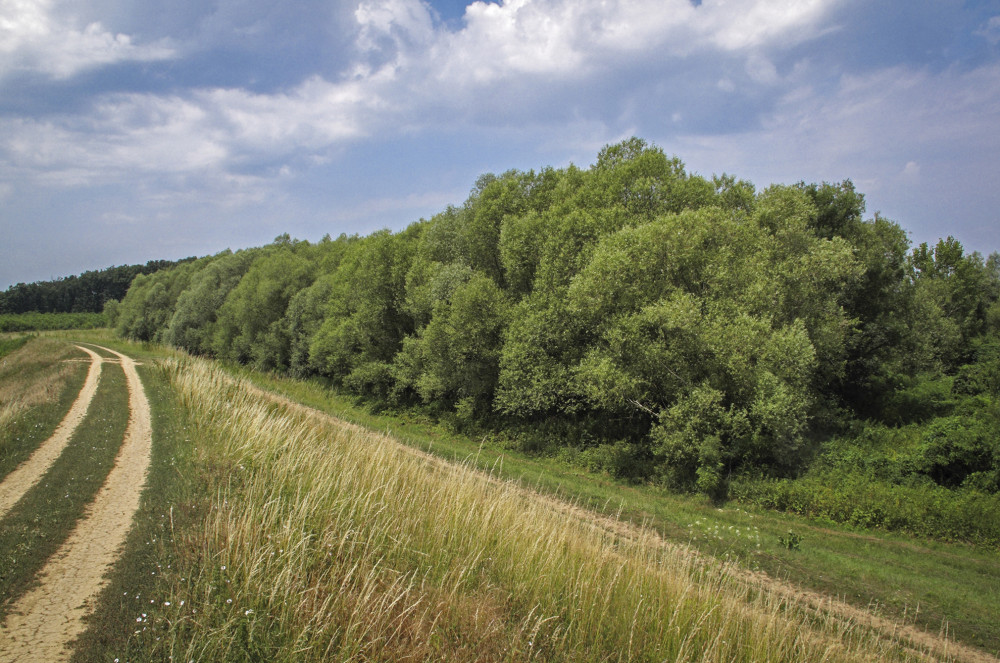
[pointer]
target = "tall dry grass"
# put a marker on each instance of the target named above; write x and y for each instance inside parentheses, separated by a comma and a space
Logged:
(33, 375)
(327, 542)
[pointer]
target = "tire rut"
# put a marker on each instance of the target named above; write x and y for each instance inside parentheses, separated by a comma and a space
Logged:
(45, 621)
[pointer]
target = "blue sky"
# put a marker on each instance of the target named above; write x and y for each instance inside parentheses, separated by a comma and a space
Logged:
(132, 130)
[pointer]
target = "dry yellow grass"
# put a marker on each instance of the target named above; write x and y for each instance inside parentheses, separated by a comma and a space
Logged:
(33, 375)
(327, 542)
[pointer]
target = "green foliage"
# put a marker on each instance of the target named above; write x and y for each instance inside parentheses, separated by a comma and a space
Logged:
(924, 510)
(957, 449)
(22, 322)
(791, 541)
(145, 312)
(651, 323)
(86, 293)
(459, 349)
(366, 319)
(251, 325)
(193, 322)
(112, 309)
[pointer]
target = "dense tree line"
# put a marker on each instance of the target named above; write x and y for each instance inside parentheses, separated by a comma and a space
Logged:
(85, 293)
(661, 325)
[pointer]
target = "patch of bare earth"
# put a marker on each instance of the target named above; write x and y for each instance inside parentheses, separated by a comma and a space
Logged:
(18, 482)
(45, 621)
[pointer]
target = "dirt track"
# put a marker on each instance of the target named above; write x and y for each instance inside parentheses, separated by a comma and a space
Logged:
(30, 471)
(47, 619)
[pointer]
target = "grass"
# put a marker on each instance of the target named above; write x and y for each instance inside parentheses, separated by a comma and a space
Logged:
(121, 627)
(36, 390)
(20, 322)
(283, 535)
(10, 343)
(934, 584)
(236, 477)
(44, 517)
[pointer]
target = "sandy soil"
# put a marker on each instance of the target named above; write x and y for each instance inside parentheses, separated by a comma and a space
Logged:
(17, 483)
(44, 622)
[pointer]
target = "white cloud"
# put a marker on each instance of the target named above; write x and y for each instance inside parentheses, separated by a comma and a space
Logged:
(208, 132)
(571, 38)
(921, 145)
(990, 31)
(911, 171)
(761, 70)
(409, 70)
(34, 38)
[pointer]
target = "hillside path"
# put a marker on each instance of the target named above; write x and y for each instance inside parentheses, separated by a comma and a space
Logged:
(18, 482)
(44, 622)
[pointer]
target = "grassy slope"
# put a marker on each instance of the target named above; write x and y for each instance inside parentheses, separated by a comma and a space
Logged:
(900, 573)
(931, 583)
(268, 550)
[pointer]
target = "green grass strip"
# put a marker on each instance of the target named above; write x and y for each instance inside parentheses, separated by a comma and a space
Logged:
(18, 322)
(39, 523)
(20, 437)
(8, 345)
(124, 625)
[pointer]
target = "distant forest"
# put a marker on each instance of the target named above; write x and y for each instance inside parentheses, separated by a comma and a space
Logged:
(86, 293)
(660, 326)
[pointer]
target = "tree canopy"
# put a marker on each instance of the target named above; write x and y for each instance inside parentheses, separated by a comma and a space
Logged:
(694, 329)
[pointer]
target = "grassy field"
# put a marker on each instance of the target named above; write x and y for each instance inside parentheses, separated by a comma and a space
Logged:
(269, 533)
(935, 584)
(293, 537)
(20, 322)
(36, 390)
(44, 517)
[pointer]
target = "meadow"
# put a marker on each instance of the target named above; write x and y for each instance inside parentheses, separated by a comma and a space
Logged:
(272, 531)
(32, 321)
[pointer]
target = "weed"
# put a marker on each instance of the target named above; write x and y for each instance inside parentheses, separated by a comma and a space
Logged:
(791, 541)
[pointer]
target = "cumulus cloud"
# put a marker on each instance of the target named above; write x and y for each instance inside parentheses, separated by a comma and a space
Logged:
(874, 120)
(35, 38)
(410, 70)
(920, 145)
(575, 37)
(990, 31)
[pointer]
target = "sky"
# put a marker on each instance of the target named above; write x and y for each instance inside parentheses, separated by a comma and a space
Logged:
(133, 130)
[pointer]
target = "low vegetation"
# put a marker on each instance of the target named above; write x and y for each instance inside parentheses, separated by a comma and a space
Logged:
(45, 516)
(298, 537)
(32, 376)
(9, 343)
(22, 322)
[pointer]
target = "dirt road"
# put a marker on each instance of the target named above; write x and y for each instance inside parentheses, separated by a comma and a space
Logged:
(17, 483)
(47, 619)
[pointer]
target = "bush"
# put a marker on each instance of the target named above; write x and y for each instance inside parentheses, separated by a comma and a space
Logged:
(924, 510)
(21, 322)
